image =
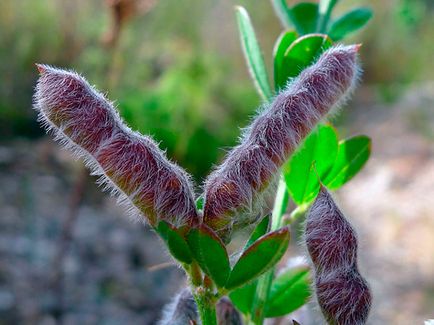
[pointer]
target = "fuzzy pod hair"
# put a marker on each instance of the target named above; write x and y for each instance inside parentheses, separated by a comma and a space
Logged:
(181, 311)
(237, 186)
(330, 239)
(130, 164)
(344, 296)
(342, 293)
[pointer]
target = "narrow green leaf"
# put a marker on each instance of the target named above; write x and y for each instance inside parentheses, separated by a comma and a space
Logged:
(302, 53)
(281, 46)
(352, 155)
(304, 17)
(260, 230)
(289, 291)
(210, 253)
(243, 297)
(313, 159)
(324, 11)
(282, 12)
(259, 257)
(349, 23)
(175, 242)
(253, 53)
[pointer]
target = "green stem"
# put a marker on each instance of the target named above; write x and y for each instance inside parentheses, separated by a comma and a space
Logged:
(325, 10)
(298, 213)
(261, 297)
(281, 9)
(280, 205)
(264, 283)
(206, 306)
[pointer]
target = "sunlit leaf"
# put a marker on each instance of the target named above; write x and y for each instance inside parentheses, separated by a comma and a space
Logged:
(349, 23)
(352, 155)
(253, 53)
(313, 160)
(302, 53)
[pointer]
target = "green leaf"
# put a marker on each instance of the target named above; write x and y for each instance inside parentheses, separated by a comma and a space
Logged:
(302, 53)
(243, 297)
(176, 243)
(289, 291)
(282, 44)
(259, 231)
(259, 258)
(349, 23)
(210, 253)
(324, 11)
(282, 11)
(352, 155)
(319, 150)
(253, 53)
(304, 16)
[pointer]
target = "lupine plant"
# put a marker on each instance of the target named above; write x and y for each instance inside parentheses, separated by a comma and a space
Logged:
(287, 152)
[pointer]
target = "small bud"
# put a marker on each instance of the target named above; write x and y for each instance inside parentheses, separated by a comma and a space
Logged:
(129, 163)
(181, 311)
(342, 293)
(227, 314)
(238, 185)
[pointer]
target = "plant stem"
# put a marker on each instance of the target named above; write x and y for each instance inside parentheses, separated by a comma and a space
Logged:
(280, 205)
(206, 306)
(325, 9)
(261, 297)
(264, 283)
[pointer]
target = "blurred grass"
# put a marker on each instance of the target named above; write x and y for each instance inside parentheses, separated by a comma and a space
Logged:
(177, 71)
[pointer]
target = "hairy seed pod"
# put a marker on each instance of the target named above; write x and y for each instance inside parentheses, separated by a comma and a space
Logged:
(181, 311)
(342, 293)
(129, 163)
(237, 186)
(330, 238)
(227, 313)
(344, 296)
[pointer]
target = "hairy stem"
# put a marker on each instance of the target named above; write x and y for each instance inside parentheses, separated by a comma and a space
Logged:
(205, 302)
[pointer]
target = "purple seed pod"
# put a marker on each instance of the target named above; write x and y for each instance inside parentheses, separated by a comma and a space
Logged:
(330, 238)
(237, 186)
(227, 314)
(342, 293)
(344, 296)
(129, 163)
(181, 311)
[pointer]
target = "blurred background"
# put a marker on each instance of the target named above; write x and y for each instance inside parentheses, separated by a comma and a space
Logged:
(69, 254)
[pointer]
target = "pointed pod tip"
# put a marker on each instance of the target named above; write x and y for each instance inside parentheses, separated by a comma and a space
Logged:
(357, 47)
(41, 68)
